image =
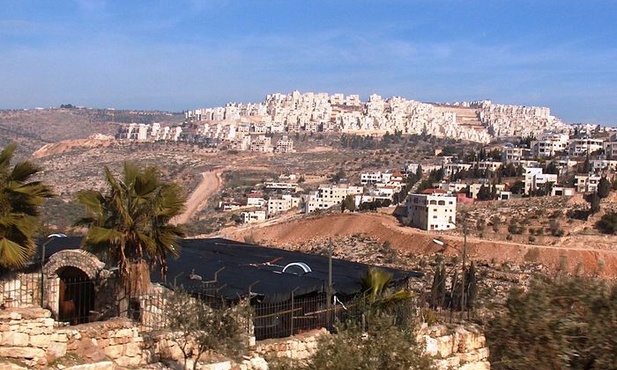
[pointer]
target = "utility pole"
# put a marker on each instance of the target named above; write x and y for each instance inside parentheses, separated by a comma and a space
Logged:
(329, 288)
(50, 237)
(463, 298)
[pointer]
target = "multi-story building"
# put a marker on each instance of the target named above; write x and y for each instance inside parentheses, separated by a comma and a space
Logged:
(253, 216)
(489, 166)
(282, 204)
(512, 155)
(434, 209)
(475, 188)
(261, 143)
(583, 147)
(549, 144)
(451, 187)
(535, 179)
(284, 145)
(586, 183)
(280, 186)
(255, 200)
(610, 149)
(604, 164)
(450, 169)
(330, 195)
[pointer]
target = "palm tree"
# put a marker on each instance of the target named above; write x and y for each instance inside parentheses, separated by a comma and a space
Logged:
(20, 201)
(379, 298)
(129, 225)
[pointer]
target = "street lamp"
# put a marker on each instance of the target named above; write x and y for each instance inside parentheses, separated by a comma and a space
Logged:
(50, 237)
(464, 254)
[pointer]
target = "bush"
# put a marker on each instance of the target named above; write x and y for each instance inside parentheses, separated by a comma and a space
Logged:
(566, 322)
(382, 345)
(199, 328)
(608, 223)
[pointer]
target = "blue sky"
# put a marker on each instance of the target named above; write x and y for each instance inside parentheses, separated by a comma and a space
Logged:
(185, 54)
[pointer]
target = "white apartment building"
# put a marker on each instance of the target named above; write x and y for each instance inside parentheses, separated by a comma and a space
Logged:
(583, 147)
(603, 164)
(253, 216)
(370, 178)
(284, 145)
(586, 183)
(282, 204)
(241, 143)
(512, 155)
(535, 179)
(489, 166)
(330, 195)
(450, 187)
(475, 188)
(261, 143)
(280, 186)
(255, 200)
(549, 144)
(432, 210)
(450, 169)
(610, 149)
(364, 198)
(381, 178)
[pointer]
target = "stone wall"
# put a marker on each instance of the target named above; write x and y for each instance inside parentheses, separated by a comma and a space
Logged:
(29, 335)
(298, 347)
(32, 337)
(460, 347)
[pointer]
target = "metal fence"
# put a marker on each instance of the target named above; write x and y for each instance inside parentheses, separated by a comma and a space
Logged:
(77, 300)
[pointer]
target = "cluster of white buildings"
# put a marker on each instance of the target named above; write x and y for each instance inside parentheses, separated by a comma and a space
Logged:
(321, 112)
(551, 144)
(259, 208)
(148, 132)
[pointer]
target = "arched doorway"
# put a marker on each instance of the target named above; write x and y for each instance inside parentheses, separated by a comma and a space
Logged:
(76, 295)
(72, 279)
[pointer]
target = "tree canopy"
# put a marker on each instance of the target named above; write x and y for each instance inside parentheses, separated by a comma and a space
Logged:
(129, 224)
(20, 202)
(566, 322)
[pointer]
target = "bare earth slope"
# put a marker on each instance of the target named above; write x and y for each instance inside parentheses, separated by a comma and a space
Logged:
(409, 240)
(209, 185)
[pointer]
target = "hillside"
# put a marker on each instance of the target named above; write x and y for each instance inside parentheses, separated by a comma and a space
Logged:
(599, 257)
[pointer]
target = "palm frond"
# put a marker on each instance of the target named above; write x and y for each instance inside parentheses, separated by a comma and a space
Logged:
(6, 155)
(14, 255)
(23, 171)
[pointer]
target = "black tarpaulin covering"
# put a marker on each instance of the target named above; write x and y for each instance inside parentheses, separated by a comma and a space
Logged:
(245, 267)
(260, 270)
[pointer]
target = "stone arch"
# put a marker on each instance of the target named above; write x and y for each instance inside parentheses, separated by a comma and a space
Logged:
(77, 263)
(78, 258)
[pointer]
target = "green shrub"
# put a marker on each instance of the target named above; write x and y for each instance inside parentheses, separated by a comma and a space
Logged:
(608, 223)
(567, 322)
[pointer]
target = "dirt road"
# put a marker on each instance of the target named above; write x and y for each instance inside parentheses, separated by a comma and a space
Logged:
(210, 183)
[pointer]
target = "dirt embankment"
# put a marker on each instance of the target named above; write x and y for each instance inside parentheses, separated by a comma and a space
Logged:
(384, 227)
(96, 141)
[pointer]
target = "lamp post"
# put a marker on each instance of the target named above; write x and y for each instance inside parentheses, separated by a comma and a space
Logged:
(464, 255)
(50, 237)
